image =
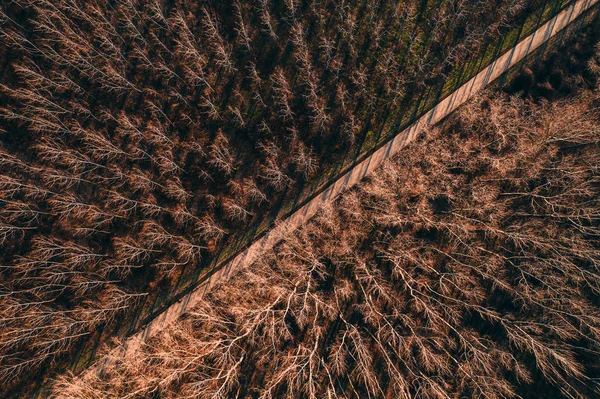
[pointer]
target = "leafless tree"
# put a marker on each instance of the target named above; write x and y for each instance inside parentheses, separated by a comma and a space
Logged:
(254, 193)
(242, 28)
(305, 161)
(274, 176)
(221, 157)
(235, 211)
(266, 18)
(218, 44)
(283, 94)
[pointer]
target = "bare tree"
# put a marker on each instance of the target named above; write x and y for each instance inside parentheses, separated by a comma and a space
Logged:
(283, 94)
(218, 44)
(274, 176)
(235, 211)
(242, 28)
(221, 157)
(305, 161)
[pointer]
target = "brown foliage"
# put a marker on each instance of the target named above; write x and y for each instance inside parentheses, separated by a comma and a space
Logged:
(124, 126)
(469, 267)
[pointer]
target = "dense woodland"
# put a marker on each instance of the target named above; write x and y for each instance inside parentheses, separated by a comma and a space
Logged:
(136, 137)
(467, 268)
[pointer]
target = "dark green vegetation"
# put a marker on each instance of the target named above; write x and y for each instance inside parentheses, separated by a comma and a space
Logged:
(143, 141)
(467, 268)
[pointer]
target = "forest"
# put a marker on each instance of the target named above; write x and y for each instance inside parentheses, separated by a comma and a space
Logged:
(467, 268)
(142, 142)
